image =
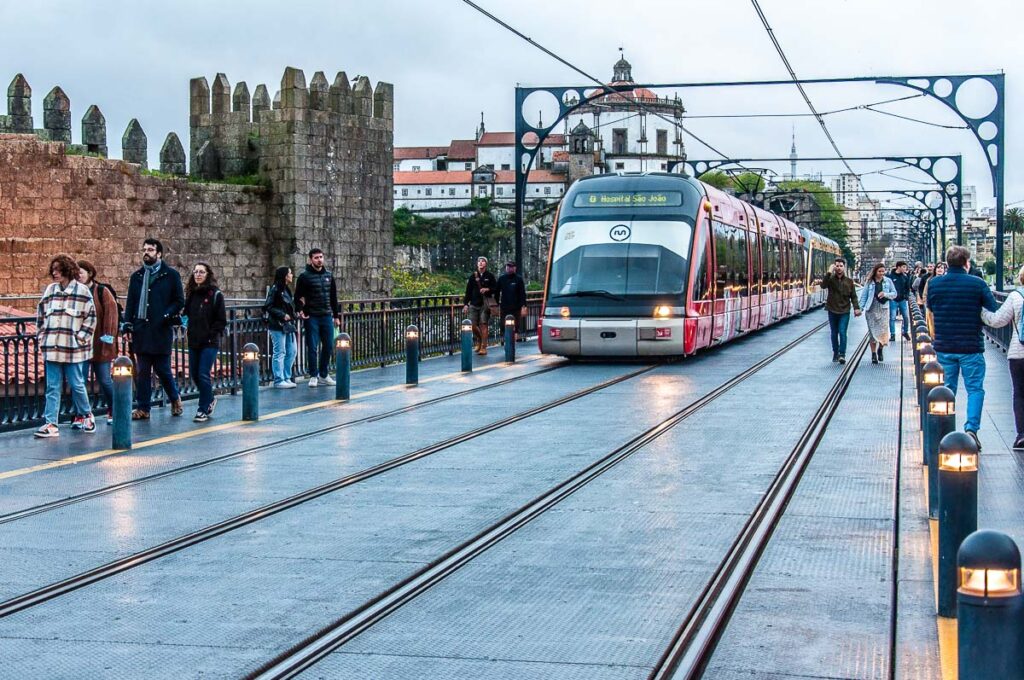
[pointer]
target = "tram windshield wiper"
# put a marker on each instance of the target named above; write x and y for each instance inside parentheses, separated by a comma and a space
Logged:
(595, 293)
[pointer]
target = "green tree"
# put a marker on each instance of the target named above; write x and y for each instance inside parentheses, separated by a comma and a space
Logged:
(831, 223)
(1013, 222)
(717, 179)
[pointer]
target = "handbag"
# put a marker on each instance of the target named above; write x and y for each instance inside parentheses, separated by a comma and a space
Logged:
(489, 301)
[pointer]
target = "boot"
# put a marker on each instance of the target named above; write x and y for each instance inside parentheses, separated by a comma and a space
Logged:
(879, 354)
(483, 340)
(476, 338)
(874, 357)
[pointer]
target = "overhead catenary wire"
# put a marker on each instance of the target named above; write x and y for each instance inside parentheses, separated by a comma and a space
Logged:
(588, 76)
(846, 109)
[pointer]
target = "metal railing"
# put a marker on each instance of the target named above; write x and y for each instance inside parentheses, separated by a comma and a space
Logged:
(377, 328)
(1000, 337)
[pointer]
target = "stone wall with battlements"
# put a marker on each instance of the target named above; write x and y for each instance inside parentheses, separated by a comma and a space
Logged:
(320, 156)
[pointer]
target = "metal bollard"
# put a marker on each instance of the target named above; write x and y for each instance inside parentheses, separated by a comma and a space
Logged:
(250, 382)
(412, 355)
(931, 376)
(123, 374)
(940, 421)
(925, 355)
(343, 366)
(466, 338)
(958, 510)
(990, 608)
(510, 339)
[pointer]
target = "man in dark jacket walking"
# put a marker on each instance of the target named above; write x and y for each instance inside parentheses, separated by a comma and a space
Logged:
(842, 296)
(511, 295)
(955, 300)
(901, 282)
(480, 290)
(316, 300)
(155, 300)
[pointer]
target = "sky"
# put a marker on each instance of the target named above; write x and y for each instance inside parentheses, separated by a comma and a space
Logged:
(449, 63)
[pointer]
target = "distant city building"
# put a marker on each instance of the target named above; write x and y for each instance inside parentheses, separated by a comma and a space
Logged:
(846, 190)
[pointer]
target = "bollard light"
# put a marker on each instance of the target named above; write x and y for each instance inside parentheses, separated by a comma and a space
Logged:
(510, 339)
(926, 354)
(122, 372)
(933, 374)
(343, 366)
(412, 356)
(940, 421)
(990, 607)
(250, 382)
(958, 510)
(466, 340)
(922, 340)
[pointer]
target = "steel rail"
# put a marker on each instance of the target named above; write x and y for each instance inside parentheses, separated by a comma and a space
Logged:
(72, 583)
(87, 495)
(322, 643)
(694, 642)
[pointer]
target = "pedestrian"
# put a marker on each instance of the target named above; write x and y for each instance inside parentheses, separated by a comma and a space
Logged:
(205, 320)
(480, 303)
(874, 300)
(316, 298)
(104, 340)
(65, 321)
(153, 309)
(1012, 310)
(939, 270)
(901, 282)
(511, 295)
(921, 281)
(956, 300)
(842, 296)
(280, 310)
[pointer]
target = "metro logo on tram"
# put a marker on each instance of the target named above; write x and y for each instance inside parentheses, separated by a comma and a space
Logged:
(619, 232)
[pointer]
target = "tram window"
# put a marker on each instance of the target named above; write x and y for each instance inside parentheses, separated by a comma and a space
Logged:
(723, 259)
(701, 287)
(742, 263)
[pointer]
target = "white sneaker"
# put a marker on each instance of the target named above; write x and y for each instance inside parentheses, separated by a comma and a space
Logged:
(313, 382)
(282, 385)
(288, 384)
(327, 381)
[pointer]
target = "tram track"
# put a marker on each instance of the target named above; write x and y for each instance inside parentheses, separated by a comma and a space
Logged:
(102, 491)
(694, 641)
(308, 652)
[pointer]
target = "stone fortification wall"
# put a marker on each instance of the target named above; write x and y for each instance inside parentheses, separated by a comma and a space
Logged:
(319, 159)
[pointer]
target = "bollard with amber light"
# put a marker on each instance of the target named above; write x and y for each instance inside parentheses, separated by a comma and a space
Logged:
(958, 510)
(466, 338)
(940, 421)
(250, 382)
(932, 375)
(412, 355)
(924, 355)
(990, 608)
(343, 366)
(510, 339)
(122, 373)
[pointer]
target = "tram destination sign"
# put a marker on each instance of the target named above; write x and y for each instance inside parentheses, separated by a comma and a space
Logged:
(631, 199)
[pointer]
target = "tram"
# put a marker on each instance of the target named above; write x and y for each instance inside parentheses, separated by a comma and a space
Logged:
(656, 264)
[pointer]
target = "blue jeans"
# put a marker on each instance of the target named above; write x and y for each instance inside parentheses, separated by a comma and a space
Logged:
(147, 363)
(284, 356)
(319, 343)
(200, 367)
(101, 374)
(837, 324)
(973, 368)
(896, 308)
(56, 374)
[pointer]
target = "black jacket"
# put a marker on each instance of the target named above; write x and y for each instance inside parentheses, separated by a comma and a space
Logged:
(511, 292)
(279, 304)
(154, 335)
(207, 317)
(901, 282)
(473, 295)
(316, 293)
(955, 300)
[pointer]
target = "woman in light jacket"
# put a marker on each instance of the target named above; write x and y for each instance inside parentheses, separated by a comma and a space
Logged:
(1010, 312)
(874, 300)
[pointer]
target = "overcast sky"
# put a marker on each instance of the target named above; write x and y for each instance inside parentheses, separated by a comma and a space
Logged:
(448, 63)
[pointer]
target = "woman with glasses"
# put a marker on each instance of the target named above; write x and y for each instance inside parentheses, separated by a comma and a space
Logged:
(206, 320)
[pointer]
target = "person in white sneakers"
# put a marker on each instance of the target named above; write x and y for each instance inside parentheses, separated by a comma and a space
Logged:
(279, 311)
(1012, 310)
(65, 321)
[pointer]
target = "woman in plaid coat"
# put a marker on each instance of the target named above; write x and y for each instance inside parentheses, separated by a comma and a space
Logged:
(65, 320)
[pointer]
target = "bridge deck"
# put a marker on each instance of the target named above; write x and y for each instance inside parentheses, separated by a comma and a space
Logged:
(593, 586)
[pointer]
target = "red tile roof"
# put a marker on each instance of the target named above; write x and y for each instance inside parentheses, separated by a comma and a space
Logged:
(414, 152)
(509, 139)
(462, 150)
(408, 177)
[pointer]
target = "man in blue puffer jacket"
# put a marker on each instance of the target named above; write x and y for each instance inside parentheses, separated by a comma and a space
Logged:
(955, 300)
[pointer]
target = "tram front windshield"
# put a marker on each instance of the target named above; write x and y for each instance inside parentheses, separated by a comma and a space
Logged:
(618, 269)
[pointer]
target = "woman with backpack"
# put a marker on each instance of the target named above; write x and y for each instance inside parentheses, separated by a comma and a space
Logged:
(104, 341)
(279, 310)
(1012, 310)
(206, 321)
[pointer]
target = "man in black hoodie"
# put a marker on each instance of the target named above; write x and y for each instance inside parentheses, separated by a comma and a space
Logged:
(316, 301)
(901, 281)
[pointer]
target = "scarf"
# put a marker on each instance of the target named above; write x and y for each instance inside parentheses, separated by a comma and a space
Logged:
(148, 271)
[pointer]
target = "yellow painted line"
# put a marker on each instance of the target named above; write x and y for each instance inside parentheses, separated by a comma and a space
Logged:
(948, 644)
(86, 457)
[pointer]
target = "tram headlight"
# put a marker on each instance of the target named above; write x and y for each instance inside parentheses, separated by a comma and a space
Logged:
(564, 312)
(662, 312)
